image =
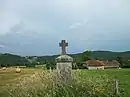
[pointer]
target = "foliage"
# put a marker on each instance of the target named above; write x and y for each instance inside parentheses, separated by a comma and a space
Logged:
(30, 65)
(11, 60)
(86, 55)
(15, 60)
(79, 65)
(51, 65)
(120, 60)
(126, 64)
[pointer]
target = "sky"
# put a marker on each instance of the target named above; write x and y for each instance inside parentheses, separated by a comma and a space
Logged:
(35, 27)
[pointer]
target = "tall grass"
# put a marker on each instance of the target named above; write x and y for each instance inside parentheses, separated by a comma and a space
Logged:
(44, 84)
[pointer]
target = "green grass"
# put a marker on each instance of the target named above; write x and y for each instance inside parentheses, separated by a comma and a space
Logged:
(9, 77)
(122, 75)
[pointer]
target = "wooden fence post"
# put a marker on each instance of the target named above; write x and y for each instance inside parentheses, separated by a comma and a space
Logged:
(116, 88)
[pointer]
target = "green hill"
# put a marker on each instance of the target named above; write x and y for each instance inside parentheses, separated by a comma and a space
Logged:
(107, 55)
(10, 59)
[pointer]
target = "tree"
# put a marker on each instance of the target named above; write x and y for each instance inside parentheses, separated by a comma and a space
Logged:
(51, 65)
(11, 60)
(126, 64)
(86, 55)
(120, 60)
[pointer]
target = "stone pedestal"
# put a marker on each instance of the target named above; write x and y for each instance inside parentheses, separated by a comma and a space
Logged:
(64, 69)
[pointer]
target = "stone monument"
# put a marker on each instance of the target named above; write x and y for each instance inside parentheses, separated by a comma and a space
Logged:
(64, 65)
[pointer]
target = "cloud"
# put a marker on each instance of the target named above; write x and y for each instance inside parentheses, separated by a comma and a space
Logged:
(34, 23)
(78, 24)
(2, 46)
(7, 21)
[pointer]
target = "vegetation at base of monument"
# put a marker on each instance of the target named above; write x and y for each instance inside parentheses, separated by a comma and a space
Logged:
(14, 60)
(51, 65)
(43, 84)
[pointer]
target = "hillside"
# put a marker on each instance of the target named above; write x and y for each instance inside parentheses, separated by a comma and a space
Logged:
(10, 59)
(107, 55)
(100, 55)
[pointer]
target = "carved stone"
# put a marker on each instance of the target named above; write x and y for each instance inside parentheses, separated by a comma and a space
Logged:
(64, 66)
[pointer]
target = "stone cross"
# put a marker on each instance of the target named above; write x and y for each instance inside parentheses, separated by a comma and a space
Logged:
(63, 46)
(64, 66)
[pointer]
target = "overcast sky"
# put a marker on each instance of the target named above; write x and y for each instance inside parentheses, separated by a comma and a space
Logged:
(35, 27)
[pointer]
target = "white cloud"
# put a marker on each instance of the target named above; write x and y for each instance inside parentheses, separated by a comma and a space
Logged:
(78, 24)
(7, 20)
(2, 46)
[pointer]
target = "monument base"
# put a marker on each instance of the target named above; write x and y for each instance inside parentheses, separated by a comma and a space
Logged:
(64, 73)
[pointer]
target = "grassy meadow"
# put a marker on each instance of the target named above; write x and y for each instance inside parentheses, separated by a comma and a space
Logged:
(36, 82)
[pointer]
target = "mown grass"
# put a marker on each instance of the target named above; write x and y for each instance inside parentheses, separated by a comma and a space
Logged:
(32, 82)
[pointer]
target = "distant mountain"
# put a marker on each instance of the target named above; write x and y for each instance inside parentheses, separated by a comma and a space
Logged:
(100, 55)
(108, 55)
(12, 60)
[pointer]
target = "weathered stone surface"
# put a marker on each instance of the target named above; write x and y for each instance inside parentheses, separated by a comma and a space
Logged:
(64, 66)
(63, 46)
(64, 58)
(64, 73)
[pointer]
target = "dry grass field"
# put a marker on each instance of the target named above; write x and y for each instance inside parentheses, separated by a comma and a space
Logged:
(10, 77)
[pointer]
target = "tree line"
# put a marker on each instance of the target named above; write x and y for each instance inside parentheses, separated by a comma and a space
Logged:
(30, 61)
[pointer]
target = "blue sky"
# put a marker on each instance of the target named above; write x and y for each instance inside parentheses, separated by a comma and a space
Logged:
(35, 27)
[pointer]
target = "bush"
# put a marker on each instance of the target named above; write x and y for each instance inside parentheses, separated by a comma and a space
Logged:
(30, 65)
